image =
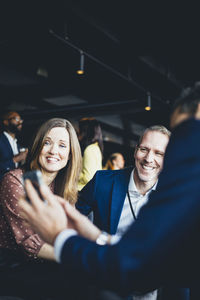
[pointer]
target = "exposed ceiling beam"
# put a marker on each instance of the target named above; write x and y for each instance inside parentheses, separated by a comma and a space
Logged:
(120, 132)
(165, 72)
(123, 107)
(93, 21)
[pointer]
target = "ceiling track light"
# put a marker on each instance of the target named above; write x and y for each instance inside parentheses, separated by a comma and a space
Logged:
(81, 71)
(42, 71)
(148, 107)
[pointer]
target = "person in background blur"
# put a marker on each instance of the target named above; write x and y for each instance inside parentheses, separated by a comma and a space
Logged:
(115, 162)
(11, 154)
(91, 142)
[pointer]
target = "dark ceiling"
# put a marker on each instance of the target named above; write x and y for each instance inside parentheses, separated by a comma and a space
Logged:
(130, 49)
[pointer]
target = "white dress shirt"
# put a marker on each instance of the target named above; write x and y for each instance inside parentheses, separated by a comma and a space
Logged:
(13, 144)
(137, 201)
(60, 240)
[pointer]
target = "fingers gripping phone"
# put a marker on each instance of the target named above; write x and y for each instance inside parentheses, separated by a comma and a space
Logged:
(36, 179)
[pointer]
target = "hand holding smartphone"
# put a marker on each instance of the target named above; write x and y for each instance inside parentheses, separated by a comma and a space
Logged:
(36, 179)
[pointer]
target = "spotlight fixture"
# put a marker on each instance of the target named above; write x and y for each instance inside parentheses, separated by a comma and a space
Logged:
(148, 107)
(80, 71)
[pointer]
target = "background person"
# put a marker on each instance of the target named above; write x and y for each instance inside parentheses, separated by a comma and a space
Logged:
(91, 142)
(10, 154)
(161, 247)
(115, 162)
(56, 152)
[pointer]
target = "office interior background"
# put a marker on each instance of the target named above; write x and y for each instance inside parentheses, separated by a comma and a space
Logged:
(121, 62)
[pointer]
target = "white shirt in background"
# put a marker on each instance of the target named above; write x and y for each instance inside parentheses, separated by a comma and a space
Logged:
(13, 144)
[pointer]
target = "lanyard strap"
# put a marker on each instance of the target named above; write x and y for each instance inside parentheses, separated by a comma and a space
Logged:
(129, 199)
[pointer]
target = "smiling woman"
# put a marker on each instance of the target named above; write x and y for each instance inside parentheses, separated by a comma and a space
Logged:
(56, 153)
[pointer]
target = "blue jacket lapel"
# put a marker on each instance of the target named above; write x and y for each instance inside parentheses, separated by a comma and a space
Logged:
(7, 146)
(120, 187)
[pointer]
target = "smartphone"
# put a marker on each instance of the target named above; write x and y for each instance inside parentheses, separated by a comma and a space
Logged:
(36, 179)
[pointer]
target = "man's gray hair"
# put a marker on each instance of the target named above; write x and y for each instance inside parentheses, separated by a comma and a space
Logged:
(159, 128)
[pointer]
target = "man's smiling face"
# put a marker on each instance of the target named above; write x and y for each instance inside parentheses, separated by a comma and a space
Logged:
(149, 156)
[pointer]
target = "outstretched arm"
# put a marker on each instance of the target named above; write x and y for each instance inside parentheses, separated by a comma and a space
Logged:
(49, 219)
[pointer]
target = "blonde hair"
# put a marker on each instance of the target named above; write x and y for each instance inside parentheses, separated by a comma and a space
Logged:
(66, 180)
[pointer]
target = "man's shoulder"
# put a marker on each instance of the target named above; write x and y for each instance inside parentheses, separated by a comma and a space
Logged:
(2, 136)
(3, 140)
(113, 173)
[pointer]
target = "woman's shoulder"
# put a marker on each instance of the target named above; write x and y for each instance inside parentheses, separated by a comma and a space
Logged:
(15, 174)
(92, 147)
(92, 150)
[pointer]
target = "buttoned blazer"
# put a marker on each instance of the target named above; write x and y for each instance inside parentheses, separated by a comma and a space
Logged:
(162, 247)
(6, 155)
(105, 195)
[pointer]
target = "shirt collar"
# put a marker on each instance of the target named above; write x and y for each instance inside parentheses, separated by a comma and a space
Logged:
(132, 186)
(9, 136)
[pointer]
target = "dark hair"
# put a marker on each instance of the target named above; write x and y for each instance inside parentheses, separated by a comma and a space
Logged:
(67, 178)
(89, 133)
(5, 116)
(189, 100)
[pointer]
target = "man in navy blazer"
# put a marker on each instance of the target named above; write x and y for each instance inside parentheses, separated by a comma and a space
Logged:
(10, 155)
(116, 196)
(161, 248)
(104, 195)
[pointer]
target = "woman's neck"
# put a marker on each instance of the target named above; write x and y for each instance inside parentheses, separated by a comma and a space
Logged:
(48, 177)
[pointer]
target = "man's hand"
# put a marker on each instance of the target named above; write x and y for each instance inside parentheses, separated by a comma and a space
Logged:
(80, 223)
(47, 219)
(21, 157)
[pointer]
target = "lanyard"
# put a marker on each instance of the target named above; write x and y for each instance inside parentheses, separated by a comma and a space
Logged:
(129, 199)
